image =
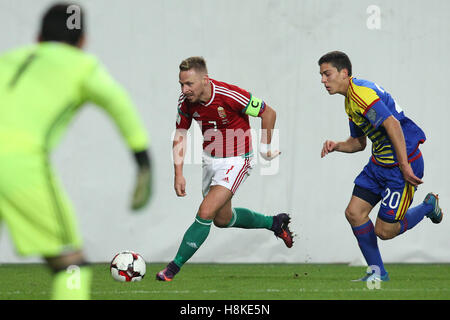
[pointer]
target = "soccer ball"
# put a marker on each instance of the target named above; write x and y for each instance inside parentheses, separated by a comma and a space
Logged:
(127, 266)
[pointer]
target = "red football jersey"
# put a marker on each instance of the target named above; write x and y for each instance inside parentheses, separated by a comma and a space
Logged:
(223, 119)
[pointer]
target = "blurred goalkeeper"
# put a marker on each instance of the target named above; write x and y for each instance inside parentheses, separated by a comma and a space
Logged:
(42, 87)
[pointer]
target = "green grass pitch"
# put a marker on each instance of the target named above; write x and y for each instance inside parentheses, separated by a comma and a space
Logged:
(242, 282)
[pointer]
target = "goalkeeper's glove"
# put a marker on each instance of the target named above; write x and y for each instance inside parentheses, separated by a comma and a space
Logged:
(144, 182)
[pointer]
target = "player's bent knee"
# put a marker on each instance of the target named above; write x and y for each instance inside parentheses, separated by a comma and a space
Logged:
(220, 223)
(384, 234)
(352, 217)
(64, 261)
(385, 230)
(348, 215)
(206, 212)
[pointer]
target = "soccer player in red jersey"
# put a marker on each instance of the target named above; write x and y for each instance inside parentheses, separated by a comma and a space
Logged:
(222, 111)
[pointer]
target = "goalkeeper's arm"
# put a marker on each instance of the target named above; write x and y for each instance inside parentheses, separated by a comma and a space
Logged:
(99, 87)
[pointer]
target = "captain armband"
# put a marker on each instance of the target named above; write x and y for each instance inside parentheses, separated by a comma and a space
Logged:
(255, 107)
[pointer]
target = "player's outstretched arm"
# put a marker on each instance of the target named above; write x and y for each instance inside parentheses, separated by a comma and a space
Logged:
(268, 119)
(179, 151)
(350, 145)
(100, 88)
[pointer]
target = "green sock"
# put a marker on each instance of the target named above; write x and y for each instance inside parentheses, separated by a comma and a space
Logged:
(192, 240)
(74, 283)
(248, 219)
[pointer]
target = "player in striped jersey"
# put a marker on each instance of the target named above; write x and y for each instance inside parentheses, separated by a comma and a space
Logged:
(222, 111)
(394, 170)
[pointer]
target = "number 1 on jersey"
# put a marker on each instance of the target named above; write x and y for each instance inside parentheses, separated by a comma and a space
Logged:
(21, 70)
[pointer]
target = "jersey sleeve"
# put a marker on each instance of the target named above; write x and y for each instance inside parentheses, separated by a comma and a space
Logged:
(369, 105)
(184, 118)
(255, 107)
(243, 101)
(100, 88)
(377, 113)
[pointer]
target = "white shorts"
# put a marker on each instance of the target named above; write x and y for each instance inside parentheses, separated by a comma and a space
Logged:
(227, 172)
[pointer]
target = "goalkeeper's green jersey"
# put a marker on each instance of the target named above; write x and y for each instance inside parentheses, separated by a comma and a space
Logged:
(42, 87)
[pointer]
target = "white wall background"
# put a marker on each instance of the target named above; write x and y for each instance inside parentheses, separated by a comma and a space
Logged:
(271, 48)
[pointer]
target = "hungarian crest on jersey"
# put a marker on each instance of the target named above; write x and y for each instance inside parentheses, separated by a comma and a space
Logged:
(222, 114)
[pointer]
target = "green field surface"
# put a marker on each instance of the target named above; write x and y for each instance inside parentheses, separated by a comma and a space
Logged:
(242, 282)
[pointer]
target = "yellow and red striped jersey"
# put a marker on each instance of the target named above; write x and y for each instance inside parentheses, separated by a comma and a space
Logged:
(367, 106)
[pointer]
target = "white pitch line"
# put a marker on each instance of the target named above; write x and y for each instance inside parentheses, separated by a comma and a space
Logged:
(271, 290)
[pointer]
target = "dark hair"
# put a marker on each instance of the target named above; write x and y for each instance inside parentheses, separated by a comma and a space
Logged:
(338, 59)
(58, 24)
(196, 63)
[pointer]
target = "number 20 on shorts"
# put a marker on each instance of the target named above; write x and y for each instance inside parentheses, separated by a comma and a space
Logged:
(391, 199)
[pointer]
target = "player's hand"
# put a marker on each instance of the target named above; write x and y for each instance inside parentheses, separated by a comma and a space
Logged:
(180, 186)
(409, 176)
(328, 146)
(270, 155)
(266, 152)
(143, 189)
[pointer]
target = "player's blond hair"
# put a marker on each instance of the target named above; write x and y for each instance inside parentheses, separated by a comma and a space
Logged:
(196, 63)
